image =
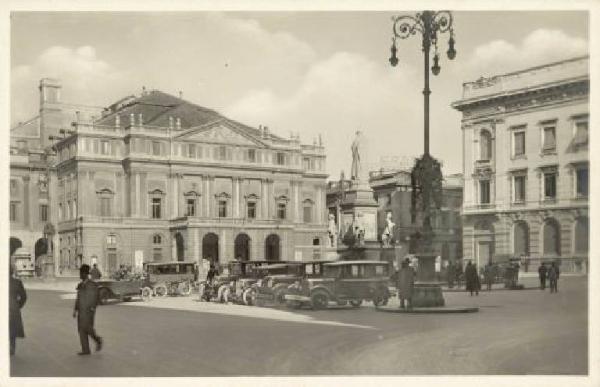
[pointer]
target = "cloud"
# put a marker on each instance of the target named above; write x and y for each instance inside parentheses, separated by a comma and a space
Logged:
(337, 96)
(539, 47)
(86, 79)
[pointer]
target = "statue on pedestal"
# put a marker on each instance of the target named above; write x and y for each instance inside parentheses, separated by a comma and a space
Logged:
(388, 234)
(332, 231)
(356, 152)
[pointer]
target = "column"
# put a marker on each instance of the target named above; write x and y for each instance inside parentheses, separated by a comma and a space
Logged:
(210, 187)
(263, 199)
(91, 195)
(174, 180)
(236, 197)
(26, 201)
(271, 198)
(136, 195)
(296, 201)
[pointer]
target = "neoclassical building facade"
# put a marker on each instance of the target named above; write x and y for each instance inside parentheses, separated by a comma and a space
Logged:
(156, 178)
(526, 168)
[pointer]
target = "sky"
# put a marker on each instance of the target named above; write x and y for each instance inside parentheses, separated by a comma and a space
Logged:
(312, 73)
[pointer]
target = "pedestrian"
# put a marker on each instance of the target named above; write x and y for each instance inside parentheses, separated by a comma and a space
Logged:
(472, 279)
(212, 272)
(406, 282)
(17, 300)
(451, 275)
(553, 274)
(438, 268)
(459, 274)
(488, 275)
(542, 272)
(95, 272)
(85, 310)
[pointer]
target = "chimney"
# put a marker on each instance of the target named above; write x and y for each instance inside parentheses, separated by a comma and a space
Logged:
(171, 122)
(49, 91)
(117, 121)
(178, 123)
(180, 94)
(266, 128)
(78, 116)
(131, 120)
(140, 122)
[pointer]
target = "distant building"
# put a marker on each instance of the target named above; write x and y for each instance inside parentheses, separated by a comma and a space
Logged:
(392, 190)
(156, 178)
(526, 170)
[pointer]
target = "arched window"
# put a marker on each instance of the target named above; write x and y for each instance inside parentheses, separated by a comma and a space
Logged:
(105, 202)
(582, 235)
(272, 248)
(551, 237)
(521, 239)
(157, 239)
(485, 145)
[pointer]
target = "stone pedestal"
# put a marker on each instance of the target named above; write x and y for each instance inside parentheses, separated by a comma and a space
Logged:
(427, 295)
(359, 209)
(426, 270)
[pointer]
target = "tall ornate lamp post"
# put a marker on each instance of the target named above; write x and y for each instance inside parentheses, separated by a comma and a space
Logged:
(426, 175)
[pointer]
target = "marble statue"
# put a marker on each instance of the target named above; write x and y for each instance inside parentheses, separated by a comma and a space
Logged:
(356, 153)
(332, 231)
(388, 234)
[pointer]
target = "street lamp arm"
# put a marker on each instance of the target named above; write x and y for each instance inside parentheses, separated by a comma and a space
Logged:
(442, 21)
(405, 26)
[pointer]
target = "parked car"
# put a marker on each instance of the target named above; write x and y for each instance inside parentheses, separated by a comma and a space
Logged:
(170, 278)
(231, 285)
(122, 290)
(342, 282)
(272, 288)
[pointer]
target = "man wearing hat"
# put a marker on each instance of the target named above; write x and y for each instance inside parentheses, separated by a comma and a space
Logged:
(85, 310)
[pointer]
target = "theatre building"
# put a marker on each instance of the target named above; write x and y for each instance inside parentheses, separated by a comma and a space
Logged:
(526, 169)
(157, 178)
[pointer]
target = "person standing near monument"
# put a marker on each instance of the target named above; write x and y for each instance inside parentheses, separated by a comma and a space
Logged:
(553, 274)
(472, 279)
(85, 310)
(17, 299)
(542, 272)
(95, 272)
(488, 275)
(406, 283)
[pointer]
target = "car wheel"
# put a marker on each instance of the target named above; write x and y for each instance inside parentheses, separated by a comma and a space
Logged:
(146, 294)
(161, 290)
(185, 289)
(249, 297)
(103, 296)
(226, 295)
(220, 291)
(319, 300)
(355, 303)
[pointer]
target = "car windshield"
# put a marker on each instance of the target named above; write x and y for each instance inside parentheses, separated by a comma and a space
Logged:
(356, 271)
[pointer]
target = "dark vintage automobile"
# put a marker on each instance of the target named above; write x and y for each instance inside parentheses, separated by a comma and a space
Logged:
(233, 283)
(271, 289)
(342, 282)
(157, 279)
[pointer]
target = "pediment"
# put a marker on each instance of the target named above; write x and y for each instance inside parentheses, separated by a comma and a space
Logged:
(219, 133)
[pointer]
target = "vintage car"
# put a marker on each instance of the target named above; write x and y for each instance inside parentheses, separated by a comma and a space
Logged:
(341, 282)
(170, 278)
(231, 283)
(272, 288)
(122, 290)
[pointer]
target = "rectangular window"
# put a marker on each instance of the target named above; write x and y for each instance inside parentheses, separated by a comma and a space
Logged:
(105, 206)
(60, 213)
(582, 182)
(43, 212)
(222, 208)
(155, 148)
(519, 143)
(484, 192)
(549, 185)
(13, 212)
(252, 155)
(191, 207)
(191, 151)
(251, 210)
(306, 163)
(519, 189)
(307, 214)
(281, 211)
(581, 133)
(549, 142)
(104, 147)
(156, 207)
(222, 153)
(280, 158)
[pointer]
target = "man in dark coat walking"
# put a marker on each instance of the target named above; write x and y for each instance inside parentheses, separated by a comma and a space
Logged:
(406, 283)
(553, 274)
(488, 274)
(472, 279)
(17, 300)
(451, 273)
(542, 272)
(95, 272)
(85, 310)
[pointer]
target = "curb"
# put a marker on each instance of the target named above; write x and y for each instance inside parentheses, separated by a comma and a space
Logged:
(432, 310)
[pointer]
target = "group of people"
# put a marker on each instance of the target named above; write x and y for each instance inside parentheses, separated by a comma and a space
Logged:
(84, 309)
(551, 274)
